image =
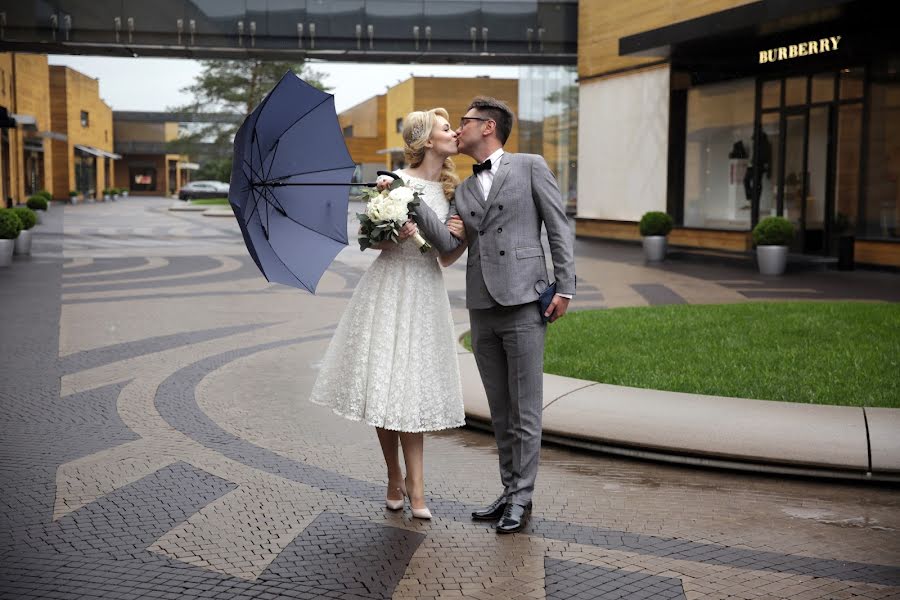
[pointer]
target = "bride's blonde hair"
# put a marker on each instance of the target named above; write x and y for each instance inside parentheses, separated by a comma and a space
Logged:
(417, 128)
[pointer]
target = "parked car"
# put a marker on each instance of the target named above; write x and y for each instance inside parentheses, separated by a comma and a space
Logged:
(203, 189)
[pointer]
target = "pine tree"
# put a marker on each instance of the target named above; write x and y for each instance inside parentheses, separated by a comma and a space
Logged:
(235, 87)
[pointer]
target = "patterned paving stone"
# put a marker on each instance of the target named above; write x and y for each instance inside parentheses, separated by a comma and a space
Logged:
(177, 458)
(565, 579)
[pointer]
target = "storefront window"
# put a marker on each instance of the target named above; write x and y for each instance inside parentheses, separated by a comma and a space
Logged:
(143, 179)
(852, 81)
(882, 208)
(846, 186)
(795, 91)
(771, 93)
(719, 140)
(823, 87)
(548, 122)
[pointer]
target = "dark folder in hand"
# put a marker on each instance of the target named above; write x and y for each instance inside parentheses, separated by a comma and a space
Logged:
(545, 299)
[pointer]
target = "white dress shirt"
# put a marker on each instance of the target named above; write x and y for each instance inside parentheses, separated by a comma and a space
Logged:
(486, 178)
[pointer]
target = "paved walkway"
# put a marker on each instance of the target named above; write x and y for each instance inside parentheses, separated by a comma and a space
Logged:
(156, 442)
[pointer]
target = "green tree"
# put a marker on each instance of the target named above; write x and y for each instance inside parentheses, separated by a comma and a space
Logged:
(235, 87)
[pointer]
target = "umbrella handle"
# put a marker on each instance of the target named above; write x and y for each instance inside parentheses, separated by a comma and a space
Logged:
(394, 175)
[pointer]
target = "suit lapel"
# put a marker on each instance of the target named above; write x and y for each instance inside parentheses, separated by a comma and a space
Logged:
(499, 178)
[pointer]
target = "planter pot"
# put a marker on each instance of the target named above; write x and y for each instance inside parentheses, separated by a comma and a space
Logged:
(655, 247)
(124, 194)
(116, 197)
(845, 252)
(107, 197)
(23, 242)
(772, 259)
(6, 252)
(39, 215)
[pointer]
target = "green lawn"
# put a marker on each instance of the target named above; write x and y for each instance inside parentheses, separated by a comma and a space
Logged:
(825, 353)
(212, 201)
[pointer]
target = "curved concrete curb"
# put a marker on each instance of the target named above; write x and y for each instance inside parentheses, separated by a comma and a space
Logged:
(183, 206)
(759, 435)
(218, 212)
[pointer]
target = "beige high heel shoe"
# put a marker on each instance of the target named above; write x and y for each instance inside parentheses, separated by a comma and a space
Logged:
(418, 513)
(396, 504)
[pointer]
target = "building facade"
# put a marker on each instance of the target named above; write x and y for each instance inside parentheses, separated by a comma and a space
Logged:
(148, 166)
(83, 161)
(26, 163)
(724, 112)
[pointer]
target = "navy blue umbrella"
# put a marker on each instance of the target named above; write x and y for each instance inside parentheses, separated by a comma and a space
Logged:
(290, 183)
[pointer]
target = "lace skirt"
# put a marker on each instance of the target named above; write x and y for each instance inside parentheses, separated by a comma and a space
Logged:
(392, 361)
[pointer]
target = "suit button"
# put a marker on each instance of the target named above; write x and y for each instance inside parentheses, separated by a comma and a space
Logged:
(500, 207)
(499, 230)
(502, 253)
(480, 233)
(473, 213)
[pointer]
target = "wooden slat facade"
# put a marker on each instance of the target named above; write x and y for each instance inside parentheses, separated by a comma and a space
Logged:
(602, 24)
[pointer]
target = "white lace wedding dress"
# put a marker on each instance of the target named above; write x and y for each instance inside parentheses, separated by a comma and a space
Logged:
(392, 361)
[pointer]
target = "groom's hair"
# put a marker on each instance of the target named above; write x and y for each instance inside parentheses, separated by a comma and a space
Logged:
(496, 110)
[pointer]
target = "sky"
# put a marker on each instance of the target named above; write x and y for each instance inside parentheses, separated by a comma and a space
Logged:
(154, 84)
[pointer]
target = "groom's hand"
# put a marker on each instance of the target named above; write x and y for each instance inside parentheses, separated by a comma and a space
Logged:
(558, 307)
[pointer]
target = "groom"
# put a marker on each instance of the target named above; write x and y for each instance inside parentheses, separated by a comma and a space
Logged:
(502, 207)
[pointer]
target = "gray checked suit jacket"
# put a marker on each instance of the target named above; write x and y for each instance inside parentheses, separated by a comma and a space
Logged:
(506, 263)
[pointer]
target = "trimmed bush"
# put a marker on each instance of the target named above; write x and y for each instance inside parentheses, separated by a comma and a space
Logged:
(10, 224)
(655, 223)
(26, 215)
(773, 231)
(72, 194)
(47, 195)
(36, 202)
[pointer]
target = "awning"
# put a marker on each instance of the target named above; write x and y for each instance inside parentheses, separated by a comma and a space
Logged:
(97, 152)
(53, 135)
(189, 166)
(27, 120)
(743, 22)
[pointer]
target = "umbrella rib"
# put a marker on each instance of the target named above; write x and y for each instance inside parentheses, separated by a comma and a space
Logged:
(253, 171)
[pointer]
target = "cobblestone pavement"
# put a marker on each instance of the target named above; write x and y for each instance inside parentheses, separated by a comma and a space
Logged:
(157, 443)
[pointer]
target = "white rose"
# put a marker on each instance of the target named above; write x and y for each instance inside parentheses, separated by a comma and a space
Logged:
(402, 194)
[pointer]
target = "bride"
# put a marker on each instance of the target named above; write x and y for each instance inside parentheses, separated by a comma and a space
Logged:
(392, 361)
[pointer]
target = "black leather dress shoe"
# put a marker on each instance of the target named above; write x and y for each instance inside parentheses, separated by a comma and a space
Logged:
(514, 518)
(492, 512)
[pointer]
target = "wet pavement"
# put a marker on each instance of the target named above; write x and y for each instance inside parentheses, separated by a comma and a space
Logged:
(157, 443)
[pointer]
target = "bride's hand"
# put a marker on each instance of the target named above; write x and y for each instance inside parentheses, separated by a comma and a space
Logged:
(456, 227)
(383, 182)
(408, 230)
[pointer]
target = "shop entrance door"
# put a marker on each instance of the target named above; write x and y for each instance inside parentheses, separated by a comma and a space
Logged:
(805, 190)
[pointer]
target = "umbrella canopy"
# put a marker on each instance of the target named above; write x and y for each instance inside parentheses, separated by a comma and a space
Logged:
(290, 183)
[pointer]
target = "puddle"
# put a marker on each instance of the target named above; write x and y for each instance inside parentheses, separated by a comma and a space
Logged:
(824, 517)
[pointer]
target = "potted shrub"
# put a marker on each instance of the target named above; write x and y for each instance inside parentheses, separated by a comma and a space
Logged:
(654, 228)
(29, 220)
(772, 236)
(116, 193)
(107, 195)
(47, 196)
(38, 204)
(73, 197)
(124, 192)
(10, 225)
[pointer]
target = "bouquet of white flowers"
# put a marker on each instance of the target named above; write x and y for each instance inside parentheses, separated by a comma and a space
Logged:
(386, 212)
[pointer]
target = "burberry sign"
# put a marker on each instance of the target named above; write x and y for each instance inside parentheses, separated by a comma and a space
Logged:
(819, 46)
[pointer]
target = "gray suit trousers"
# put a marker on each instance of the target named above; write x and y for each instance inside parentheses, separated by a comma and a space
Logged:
(508, 343)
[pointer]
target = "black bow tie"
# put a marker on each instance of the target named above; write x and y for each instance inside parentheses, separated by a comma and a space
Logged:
(485, 166)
